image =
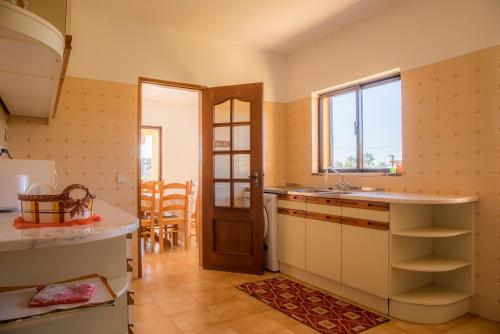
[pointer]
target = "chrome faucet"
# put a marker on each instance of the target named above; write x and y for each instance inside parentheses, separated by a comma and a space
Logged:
(342, 185)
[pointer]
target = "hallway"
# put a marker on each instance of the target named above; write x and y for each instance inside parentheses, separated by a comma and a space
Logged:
(175, 295)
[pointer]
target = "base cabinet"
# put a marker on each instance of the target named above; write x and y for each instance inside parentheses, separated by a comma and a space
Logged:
(365, 259)
(323, 248)
(291, 240)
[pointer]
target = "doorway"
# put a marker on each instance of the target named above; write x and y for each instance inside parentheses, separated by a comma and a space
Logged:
(169, 150)
(220, 148)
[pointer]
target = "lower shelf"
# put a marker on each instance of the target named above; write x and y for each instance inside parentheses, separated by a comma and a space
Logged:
(431, 295)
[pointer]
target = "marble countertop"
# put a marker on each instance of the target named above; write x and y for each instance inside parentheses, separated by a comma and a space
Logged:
(115, 222)
(382, 196)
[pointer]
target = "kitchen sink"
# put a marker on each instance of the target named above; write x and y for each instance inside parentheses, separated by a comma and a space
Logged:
(318, 191)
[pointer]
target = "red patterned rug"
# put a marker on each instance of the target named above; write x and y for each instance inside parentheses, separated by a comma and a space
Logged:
(321, 312)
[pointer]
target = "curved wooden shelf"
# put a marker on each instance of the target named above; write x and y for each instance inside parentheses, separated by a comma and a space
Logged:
(432, 263)
(431, 232)
(431, 295)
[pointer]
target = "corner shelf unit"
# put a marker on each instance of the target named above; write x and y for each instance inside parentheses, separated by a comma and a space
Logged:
(431, 261)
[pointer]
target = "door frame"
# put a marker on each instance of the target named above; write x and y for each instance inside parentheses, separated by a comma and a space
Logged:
(174, 84)
(160, 145)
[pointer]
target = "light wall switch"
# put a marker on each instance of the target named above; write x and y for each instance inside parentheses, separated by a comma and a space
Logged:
(121, 178)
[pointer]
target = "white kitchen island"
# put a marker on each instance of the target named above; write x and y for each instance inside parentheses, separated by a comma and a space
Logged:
(47, 255)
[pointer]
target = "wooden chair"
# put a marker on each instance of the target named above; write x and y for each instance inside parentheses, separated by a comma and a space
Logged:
(147, 214)
(194, 209)
(173, 212)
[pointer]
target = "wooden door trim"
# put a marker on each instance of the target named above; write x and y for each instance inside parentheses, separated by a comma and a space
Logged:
(174, 84)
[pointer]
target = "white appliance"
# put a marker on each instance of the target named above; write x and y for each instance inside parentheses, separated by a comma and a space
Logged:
(17, 174)
(271, 262)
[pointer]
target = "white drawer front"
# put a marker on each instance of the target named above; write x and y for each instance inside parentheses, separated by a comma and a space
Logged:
(292, 205)
(328, 209)
(381, 216)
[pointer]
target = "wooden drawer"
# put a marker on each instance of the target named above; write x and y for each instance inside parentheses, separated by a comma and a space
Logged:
(324, 217)
(366, 205)
(292, 212)
(372, 224)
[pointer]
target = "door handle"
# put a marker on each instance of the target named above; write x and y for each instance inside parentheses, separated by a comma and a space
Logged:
(255, 178)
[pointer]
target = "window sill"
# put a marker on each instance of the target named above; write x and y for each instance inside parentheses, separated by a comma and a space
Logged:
(368, 174)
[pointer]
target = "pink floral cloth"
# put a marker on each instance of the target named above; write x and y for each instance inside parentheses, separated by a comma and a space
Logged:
(61, 294)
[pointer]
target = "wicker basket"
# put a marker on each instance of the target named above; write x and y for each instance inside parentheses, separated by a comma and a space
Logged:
(58, 208)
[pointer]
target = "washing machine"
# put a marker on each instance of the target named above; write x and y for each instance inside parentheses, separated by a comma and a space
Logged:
(271, 262)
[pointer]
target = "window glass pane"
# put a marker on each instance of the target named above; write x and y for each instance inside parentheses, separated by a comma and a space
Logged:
(381, 124)
(241, 137)
(150, 154)
(222, 194)
(241, 166)
(241, 195)
(221, 166)
(222, 138)
(222, 112)
(343, 138)
(241, 111)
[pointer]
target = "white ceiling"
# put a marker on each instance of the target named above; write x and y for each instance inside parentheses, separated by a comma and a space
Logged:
(159, 93)
(280, 26)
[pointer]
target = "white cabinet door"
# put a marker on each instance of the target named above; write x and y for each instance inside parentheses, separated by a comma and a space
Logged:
(292, 240)
(365, 259)
(323, 248)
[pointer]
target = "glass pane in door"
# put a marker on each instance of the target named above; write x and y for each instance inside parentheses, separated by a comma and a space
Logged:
(241, 166)
(222, 112)
(222, 138)
(241, 111)
(241, 193)
(222, 166)
(241, 137)
(222, 194)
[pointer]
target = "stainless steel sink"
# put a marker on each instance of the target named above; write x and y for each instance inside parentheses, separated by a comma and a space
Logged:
(318, 191)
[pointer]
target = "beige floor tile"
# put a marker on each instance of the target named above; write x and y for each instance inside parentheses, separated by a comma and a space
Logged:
(171, 305)
(255, 323)
(475, 325)
(156, 325)
(234, 309)
(196, 319)
(147, 311)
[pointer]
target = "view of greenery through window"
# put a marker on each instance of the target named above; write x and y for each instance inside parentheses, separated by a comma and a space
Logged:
(376, 116)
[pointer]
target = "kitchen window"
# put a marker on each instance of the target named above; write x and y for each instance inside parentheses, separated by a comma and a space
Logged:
(360, 127)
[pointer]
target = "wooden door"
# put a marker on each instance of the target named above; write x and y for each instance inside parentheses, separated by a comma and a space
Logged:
(232, 190)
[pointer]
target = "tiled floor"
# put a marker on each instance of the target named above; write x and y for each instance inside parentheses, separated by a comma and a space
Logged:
(176, 296)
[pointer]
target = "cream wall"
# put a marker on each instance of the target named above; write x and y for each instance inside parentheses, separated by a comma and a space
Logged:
(410, 34)
(115, 50)
(180, 135)
(451, 145)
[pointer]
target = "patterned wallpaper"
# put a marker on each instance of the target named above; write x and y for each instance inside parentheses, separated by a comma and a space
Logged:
(93, 139)
(451, 145)
(274, 144)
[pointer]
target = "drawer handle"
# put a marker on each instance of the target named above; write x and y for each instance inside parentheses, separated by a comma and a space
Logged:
(370, 223)
(327, 217)
(327, 201)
